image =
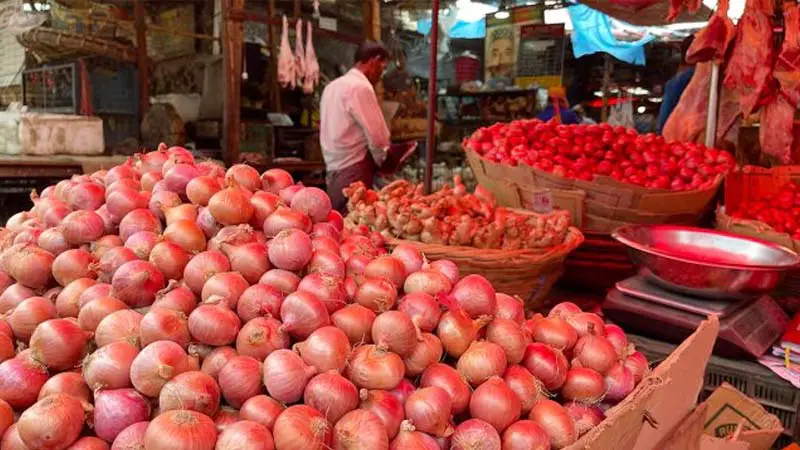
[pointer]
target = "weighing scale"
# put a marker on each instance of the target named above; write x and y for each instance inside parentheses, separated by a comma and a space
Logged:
(748, 328)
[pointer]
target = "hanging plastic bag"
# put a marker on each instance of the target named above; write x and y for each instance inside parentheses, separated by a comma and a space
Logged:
(622, 113)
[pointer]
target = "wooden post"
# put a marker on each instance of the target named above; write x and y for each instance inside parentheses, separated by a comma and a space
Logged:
(143, 64)
(430, 148)
(232, 39)
(372, 31)
(275, 89)
(607, 65)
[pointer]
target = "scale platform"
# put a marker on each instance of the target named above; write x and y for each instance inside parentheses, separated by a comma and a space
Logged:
(747, 328)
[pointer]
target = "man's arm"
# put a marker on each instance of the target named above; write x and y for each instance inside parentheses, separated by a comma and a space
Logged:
(366, 111)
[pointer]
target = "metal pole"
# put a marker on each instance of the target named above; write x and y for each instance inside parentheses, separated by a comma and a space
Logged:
(432, 99)
(713, 103)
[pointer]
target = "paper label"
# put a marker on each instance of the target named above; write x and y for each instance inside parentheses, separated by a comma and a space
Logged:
(542, 201)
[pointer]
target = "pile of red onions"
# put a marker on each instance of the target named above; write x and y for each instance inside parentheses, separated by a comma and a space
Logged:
(180, 305)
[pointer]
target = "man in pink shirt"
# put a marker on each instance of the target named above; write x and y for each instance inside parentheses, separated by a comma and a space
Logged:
(353, 132)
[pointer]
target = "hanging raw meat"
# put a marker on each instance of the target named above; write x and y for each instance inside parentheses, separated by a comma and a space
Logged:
(777, 116)
(749, 70)
(675, 7)
(299, 54)
(286, 75)
(311, 79)
(687, 122)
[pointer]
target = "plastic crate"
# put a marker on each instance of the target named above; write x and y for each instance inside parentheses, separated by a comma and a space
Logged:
(776, 395)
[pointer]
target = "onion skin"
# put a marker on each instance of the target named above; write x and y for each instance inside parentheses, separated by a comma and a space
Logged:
(181, 430)
(387, 267)
(226, 417)
(546, 364)
(224, 288)
(377, 294)
(331, 394)
(356, 322)
(195, 391)
(240, 379)
(386, 407)
(410, 257)
(586, 417)
(360, 430)
(394, 331)
(445, 377)
(245, 435)
(457, 331)
(21, 379)
(116, 410)
(216, 360)
(372, 368)
(95, 311)
(156, 364)
(118, 326)
(89, 443)
(476, 296)
(329, 290)
(510, 308)
(258, 300)
(583, 385)
(302, 314)
(260, 337)
(637, 363)
(428, 281)
(66, 383)
(430, 409)
(250, 260)
(525, 385)
(131, 438)
(556, 421)
(109, 366)
(475, 433)
(262, 409)
(325, 349)
(510, 337)
(619, 382)
(423, 310)
(280, 279)
(555, 332)
(301, 427)
(59, 344)
(525, 435)
(202, 267)
(26, 316)
(137, 283)
(290, 250)
(161, 324)
(426, 352)
(214, 325)
(12, 441)
(481, 361)
(53, 423)
(617, 337)
(495, 403)
(595, 352)
(409, 438)
(286, 375)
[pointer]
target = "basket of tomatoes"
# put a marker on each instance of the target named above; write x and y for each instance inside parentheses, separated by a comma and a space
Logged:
(621, 176)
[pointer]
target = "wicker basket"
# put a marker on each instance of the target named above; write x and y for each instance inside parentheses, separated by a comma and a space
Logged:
(528, 273)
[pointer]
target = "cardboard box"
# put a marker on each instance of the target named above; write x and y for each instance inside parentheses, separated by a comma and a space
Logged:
(728, 409)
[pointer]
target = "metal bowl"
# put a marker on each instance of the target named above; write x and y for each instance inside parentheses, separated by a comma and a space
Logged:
(706, 263)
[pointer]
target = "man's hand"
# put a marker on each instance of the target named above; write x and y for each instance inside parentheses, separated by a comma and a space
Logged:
(396, 157)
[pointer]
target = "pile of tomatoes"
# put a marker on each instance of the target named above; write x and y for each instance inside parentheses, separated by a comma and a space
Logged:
(587, 151)
(781, 211)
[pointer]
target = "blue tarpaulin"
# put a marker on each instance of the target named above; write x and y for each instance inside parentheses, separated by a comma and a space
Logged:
(592, 34)
(461, 29)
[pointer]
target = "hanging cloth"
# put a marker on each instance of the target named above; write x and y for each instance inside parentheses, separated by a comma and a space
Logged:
(592, 34)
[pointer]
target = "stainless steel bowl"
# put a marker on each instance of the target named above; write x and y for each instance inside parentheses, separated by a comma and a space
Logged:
(706, 263)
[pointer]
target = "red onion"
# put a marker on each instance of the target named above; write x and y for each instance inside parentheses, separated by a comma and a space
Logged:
(136, 221)
(260, 337)
(495, 403)
(12, 441)
(14, 223)
(510, 308)
(325, 230)
(200, 190)
(115, 410)
(619, 382)
(120, 172)
(301, 427)
(258, 300)
(207, 223)
(595, 352)
(326, 262)
(127, 183)
(232, 236)
(510, 337)
(142, 243)
(216, 360)
(564, 310)
(357, 264)
(14, 295)
(32, 311)
(250, 260)
(71, 265)
(86, 196)
(360, 430)
(303, 313)
(32, 267)
(312, 201)
(377, 294)
(586, 417)
(149, 181)
(5, 281)
(481, 361)
(226, 417)
(410, 257)
(373, 368)
(95, 311)
(525, 435)
(429, 409)
(274, 180)
(161, 201)
(526, 386)
(286, 375)
(53, 241)
(112, 260)
(403, 390)
(586, 323)
(447, 268)
(231, 206)
(426, 352)
(457, 331)
(202, 267)
(181, 430)
(94, 292)
(59, 344)
(224, 288)
(89, 443)
(28, 236)
(109, 366)
(285, 219)
(187, 235)
(287, 194)
(475, 295)
(104, 244)
(262, 409)
(583, 385)
(245, 435)
(394, 331)
(290, 250)
(386, 407)
(475, 433)
(54, 422)
(150, 162)
(176, 297)
(555, 421)
(264, 204)
(637, 363)
(169, 259)
(161, 324)
(156, 364)
(244, 176)
(131, 438)
(555, 332)
(214, 325)
(387, 267)
(7, 350)
(124, 200)
(409, 438)
(118, 326)
(423, 310)
(325, 349)
(617, 337)
(428, 281)
(356, 322)
(21, 379)
(547, 364)
(240, 379)
(137, 282)
(331, 394)
(178, 176)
